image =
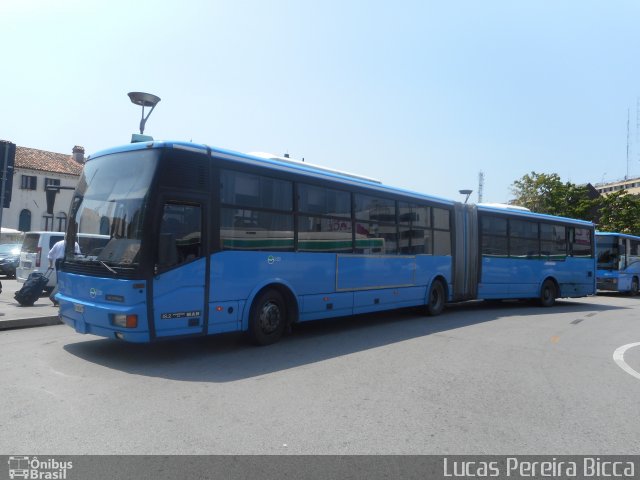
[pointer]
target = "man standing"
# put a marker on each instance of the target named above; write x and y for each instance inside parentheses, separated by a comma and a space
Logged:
(55, 256)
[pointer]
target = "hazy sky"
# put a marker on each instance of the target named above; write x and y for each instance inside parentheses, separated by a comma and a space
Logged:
(420, 94)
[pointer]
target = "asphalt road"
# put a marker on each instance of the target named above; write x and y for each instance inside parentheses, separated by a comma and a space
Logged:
(479, 379)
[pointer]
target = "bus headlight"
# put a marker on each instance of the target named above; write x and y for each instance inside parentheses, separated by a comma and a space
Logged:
(126, 321)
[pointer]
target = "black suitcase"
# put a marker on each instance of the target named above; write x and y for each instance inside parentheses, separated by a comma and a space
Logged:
(32, 288)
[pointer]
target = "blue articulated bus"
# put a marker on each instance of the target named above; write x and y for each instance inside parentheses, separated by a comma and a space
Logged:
(618, 262)
(204, 241)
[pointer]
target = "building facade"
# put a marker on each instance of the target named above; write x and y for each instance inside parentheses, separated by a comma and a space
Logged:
(631, 185)
(34, 170)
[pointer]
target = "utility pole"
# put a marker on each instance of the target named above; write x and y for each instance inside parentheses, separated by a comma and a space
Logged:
(5, 160)
(8, 159)
(628, 119)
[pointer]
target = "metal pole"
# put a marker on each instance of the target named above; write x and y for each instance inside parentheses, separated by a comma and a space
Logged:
(4, 180)
(142, 121)
(628, 117)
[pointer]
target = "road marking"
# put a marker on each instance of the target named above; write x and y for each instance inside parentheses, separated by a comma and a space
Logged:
(555, 339)
(618, 357)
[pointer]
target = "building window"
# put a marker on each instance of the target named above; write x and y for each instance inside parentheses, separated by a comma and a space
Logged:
(51, 181)
(29, 182)
(61, 221)
(24, 223)
(47, 221)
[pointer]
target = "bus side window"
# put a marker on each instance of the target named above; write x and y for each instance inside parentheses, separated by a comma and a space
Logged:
(180, 238)
(634, 252)
(622, 260)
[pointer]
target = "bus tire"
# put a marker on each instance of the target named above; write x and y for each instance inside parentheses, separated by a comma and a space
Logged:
(436, 298)
(267, 318)
(548, 293)
(635, 287)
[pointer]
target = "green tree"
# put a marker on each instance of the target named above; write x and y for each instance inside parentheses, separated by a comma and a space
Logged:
(619, 212)
(546, 193)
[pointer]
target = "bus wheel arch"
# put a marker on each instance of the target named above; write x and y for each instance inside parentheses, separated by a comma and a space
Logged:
(272, 311)
(436, 296)
(549, 291)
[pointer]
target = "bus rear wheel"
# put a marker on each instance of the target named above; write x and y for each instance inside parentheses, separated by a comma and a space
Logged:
(548, 293)
(268, 318)
(435, 300)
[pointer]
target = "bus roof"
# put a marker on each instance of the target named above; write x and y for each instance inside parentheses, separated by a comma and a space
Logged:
(527, 214)
(285, 165)
(322, 172)
(617, 234)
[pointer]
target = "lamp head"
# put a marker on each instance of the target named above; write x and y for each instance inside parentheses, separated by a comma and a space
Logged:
(144, 100)
(467, 193)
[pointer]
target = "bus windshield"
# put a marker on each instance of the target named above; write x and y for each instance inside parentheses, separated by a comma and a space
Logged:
(608, 253)
(110, 202)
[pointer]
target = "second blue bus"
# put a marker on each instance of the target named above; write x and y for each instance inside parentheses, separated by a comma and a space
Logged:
(618, 256)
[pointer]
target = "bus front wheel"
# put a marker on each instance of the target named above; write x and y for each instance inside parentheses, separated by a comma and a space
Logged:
(635, 287)
(268, 318)
(436, 300)
(548, 293)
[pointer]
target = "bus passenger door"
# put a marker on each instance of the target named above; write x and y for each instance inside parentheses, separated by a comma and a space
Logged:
(179, 285)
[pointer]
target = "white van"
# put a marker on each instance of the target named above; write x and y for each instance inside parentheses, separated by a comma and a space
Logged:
(36, 246)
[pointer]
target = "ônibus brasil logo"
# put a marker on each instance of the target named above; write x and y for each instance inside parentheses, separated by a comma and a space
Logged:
(33, 468)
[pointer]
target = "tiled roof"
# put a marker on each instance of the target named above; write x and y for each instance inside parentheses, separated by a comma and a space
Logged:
(46, 161)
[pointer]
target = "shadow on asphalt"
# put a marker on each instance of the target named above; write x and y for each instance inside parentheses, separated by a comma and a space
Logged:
(229, 357)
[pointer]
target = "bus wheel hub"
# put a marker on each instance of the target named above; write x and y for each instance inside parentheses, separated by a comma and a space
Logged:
(269, 317)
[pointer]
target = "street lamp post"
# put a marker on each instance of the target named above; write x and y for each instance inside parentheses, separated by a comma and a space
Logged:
(144, 100)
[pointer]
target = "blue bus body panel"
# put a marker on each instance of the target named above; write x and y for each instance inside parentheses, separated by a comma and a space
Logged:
(87, 304)
(356, 272)
(523, 278)
(325, 285)
(178, 300)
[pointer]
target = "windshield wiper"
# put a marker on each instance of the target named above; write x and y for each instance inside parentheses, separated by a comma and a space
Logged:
(108, 267)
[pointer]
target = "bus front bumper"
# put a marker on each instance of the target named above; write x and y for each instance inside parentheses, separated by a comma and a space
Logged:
(607, 283)
(74, 314)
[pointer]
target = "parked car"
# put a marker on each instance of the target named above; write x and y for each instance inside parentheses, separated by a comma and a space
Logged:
(9, 258)
(33, 257)
(36, 246)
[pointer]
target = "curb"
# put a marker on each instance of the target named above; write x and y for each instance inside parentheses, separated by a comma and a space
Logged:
(29, 322)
